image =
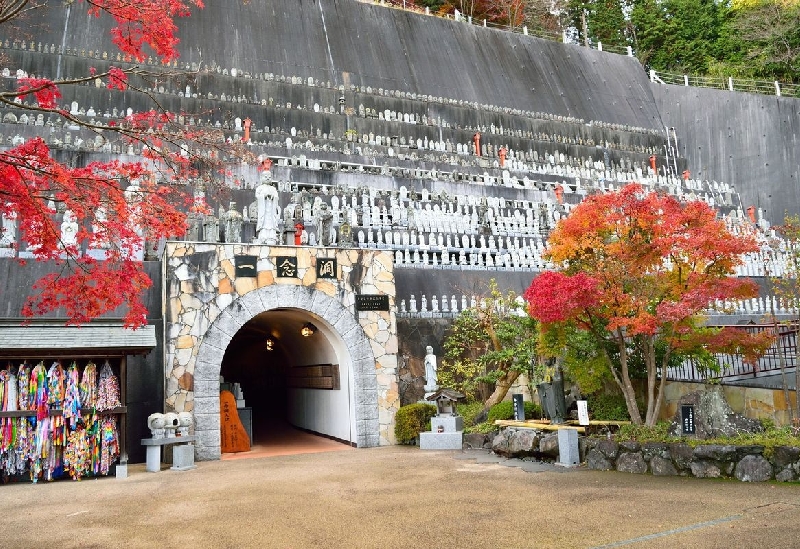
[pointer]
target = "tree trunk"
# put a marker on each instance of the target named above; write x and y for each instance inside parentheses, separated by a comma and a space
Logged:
(501, 388)
(623, 381)
(660, 395)
(649, 348)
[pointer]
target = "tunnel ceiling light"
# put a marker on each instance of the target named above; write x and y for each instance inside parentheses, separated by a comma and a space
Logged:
(270, 344)
(308, 329)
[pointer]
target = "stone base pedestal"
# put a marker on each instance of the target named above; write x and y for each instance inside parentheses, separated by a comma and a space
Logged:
(183, 457)
(450, 424)
(121, 470)
(440, 441)
(568, 455)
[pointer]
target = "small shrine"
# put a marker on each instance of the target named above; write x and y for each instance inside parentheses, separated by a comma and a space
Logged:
(446, 400)
(446, 426)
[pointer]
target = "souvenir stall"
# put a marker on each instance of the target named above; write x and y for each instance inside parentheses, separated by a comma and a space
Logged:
(62, 411)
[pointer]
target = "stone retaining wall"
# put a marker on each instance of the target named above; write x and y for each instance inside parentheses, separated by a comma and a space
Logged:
(746, 463)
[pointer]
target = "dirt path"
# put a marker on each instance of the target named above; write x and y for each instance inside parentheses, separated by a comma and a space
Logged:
(396, 497)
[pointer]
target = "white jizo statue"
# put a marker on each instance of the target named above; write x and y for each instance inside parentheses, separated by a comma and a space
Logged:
(69, 230)
(99, 230)
(8, 230)
(431, 381)
(269, 211)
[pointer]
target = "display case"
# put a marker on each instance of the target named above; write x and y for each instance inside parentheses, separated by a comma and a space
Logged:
(61, 416)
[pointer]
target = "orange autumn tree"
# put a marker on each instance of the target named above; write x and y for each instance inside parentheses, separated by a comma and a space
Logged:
(113, 205)
(637, 267)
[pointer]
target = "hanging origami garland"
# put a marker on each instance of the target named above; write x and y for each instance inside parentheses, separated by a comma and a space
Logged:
(108, 392)
(72, 398)
(89, 386)
(38, 388)
(23, 382)
(110, 443)
(9, 386)
(77, 455)
(55, 385)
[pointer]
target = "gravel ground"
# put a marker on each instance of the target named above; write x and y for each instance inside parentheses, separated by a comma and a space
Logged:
(396, 497)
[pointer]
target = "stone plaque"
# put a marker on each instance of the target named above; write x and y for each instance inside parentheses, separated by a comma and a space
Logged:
(326, 267)
(246, 266)
(372, 302)
(286, 266)
(687, 419)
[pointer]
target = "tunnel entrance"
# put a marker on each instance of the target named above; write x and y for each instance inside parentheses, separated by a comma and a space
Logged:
(291, 376)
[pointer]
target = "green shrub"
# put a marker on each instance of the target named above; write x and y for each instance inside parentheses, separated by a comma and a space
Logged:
(608, 407)
(462, 376)
(411, 420)
(469, 412)
(505, 410)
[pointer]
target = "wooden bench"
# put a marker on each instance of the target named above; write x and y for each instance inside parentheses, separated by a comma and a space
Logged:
(153, 462)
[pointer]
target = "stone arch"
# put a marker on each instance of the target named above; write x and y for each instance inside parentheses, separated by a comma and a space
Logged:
(329, 311)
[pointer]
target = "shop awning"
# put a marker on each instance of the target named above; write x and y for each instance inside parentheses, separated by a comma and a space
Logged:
(88, 340)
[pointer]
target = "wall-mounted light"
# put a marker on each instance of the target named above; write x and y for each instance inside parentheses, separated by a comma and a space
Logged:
(308, 329)
(270, 344)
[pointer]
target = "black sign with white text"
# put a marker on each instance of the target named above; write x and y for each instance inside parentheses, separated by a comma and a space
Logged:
(372, 302)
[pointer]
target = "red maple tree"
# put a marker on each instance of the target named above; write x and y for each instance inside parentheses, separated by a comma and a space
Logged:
(643, 267)
(113, 206)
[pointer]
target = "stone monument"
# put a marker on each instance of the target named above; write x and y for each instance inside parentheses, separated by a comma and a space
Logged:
(431, 372)
(269, 211)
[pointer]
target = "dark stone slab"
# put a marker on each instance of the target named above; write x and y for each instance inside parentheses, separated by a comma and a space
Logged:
(524, 442)
(705, 469)
(595, 459)
(785, 455)
(608, 448)
(629, 446)
(653, 449)
(548, 445)
(753, 468)
(720, 452)
(631, 462)
(786, 475)
(474, 440)
(662, 467)
(500, 444)
(681, 454)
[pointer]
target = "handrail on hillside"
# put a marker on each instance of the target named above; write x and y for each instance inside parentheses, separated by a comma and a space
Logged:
(762, 87)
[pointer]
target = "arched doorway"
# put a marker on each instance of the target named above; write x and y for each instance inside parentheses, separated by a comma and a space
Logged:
(291, 370)
(344, 339)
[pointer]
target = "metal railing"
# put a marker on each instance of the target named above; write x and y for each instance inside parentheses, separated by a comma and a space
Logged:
(784, 350)
(762, 87)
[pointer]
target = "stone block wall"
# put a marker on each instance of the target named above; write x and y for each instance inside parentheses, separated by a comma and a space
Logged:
(745, 463)
(751, 402)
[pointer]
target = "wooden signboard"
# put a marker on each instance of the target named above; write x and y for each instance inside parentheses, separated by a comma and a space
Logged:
(232, 433)
(318, 376)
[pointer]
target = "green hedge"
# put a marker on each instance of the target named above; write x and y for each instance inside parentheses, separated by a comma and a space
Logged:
(411, 420)
(605, 407)
(505, 410)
